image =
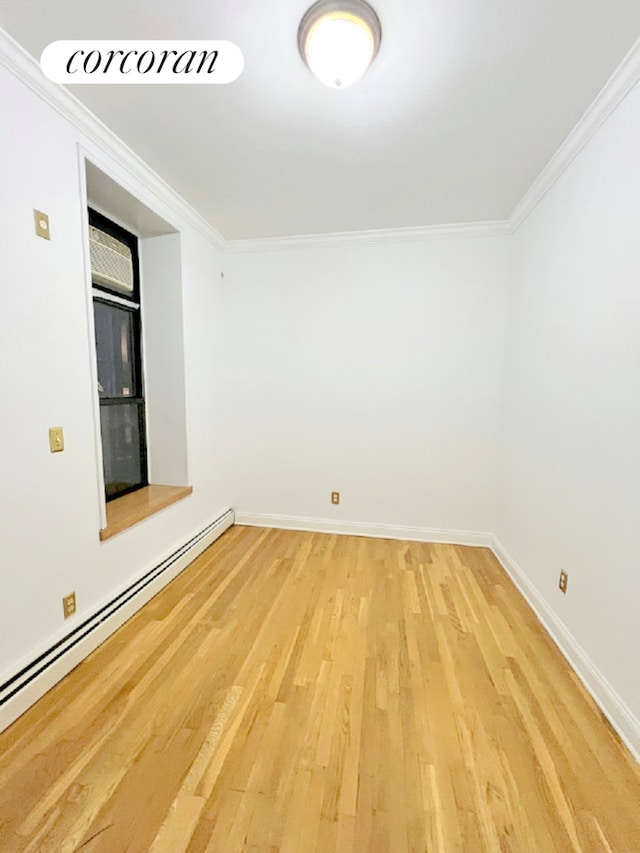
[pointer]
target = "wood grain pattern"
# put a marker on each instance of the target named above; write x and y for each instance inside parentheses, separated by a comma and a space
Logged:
(295, 692)
(128, 510)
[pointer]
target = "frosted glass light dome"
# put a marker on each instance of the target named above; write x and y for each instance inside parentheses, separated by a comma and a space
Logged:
(339, 40)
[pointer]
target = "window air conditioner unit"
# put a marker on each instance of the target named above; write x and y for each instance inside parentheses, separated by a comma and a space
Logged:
(111, 261)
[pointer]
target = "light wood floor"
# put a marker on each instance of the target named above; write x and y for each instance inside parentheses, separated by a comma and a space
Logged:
(298, 692)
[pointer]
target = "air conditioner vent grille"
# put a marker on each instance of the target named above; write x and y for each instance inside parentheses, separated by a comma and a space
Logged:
(111, 261)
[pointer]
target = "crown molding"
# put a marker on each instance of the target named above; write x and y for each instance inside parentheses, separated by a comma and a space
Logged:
(368, 238)
(618, 86)
(22, 65)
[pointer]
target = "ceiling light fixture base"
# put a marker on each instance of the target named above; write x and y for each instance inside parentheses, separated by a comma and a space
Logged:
(338, 40)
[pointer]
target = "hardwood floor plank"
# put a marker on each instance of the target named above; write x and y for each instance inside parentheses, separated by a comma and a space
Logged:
(292, 691)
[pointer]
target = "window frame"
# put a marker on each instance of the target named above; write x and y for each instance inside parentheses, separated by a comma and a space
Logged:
(131, 303)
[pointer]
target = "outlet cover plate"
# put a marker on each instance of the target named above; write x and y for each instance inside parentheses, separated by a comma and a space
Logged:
(69, 605)
(41, 221)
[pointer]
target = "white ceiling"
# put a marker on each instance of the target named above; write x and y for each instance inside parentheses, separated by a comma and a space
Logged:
(463, 107)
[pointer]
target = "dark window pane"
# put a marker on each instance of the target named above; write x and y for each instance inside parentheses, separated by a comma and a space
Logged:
(120, 427)
(115, 350)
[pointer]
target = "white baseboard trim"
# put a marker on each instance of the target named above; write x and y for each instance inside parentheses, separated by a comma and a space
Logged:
(613, 707)
(360, 528)
(52, 666)
(46, 669)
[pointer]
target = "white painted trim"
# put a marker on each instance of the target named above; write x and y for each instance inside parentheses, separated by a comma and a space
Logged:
(621, 82)
(612, 705)
(368, 238)
(92, 361)
(360, 528)
(40, 685)
(22, 65)
(619, 714)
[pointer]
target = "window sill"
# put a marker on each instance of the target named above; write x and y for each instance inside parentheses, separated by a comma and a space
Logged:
(128, 510)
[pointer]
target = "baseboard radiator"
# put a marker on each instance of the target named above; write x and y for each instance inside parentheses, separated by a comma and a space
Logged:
(32, 681)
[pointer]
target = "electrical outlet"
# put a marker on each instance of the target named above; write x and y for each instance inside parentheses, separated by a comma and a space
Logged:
(41, 222)
(564, 580)
(69, 605)
(335, 497)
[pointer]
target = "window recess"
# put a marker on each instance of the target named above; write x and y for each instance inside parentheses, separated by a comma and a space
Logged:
(137, 327)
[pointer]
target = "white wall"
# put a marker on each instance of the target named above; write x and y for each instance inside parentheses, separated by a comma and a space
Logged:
(373, 370)
(570, 482)
(49, 504)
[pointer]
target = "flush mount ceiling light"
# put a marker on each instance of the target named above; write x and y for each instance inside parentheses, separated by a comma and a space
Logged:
(338, 40)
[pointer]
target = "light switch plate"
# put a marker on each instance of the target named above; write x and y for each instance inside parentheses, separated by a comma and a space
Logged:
(42, 224)
(56, 439)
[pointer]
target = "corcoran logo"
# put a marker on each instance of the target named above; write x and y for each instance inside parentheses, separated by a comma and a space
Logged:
(142, 62)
